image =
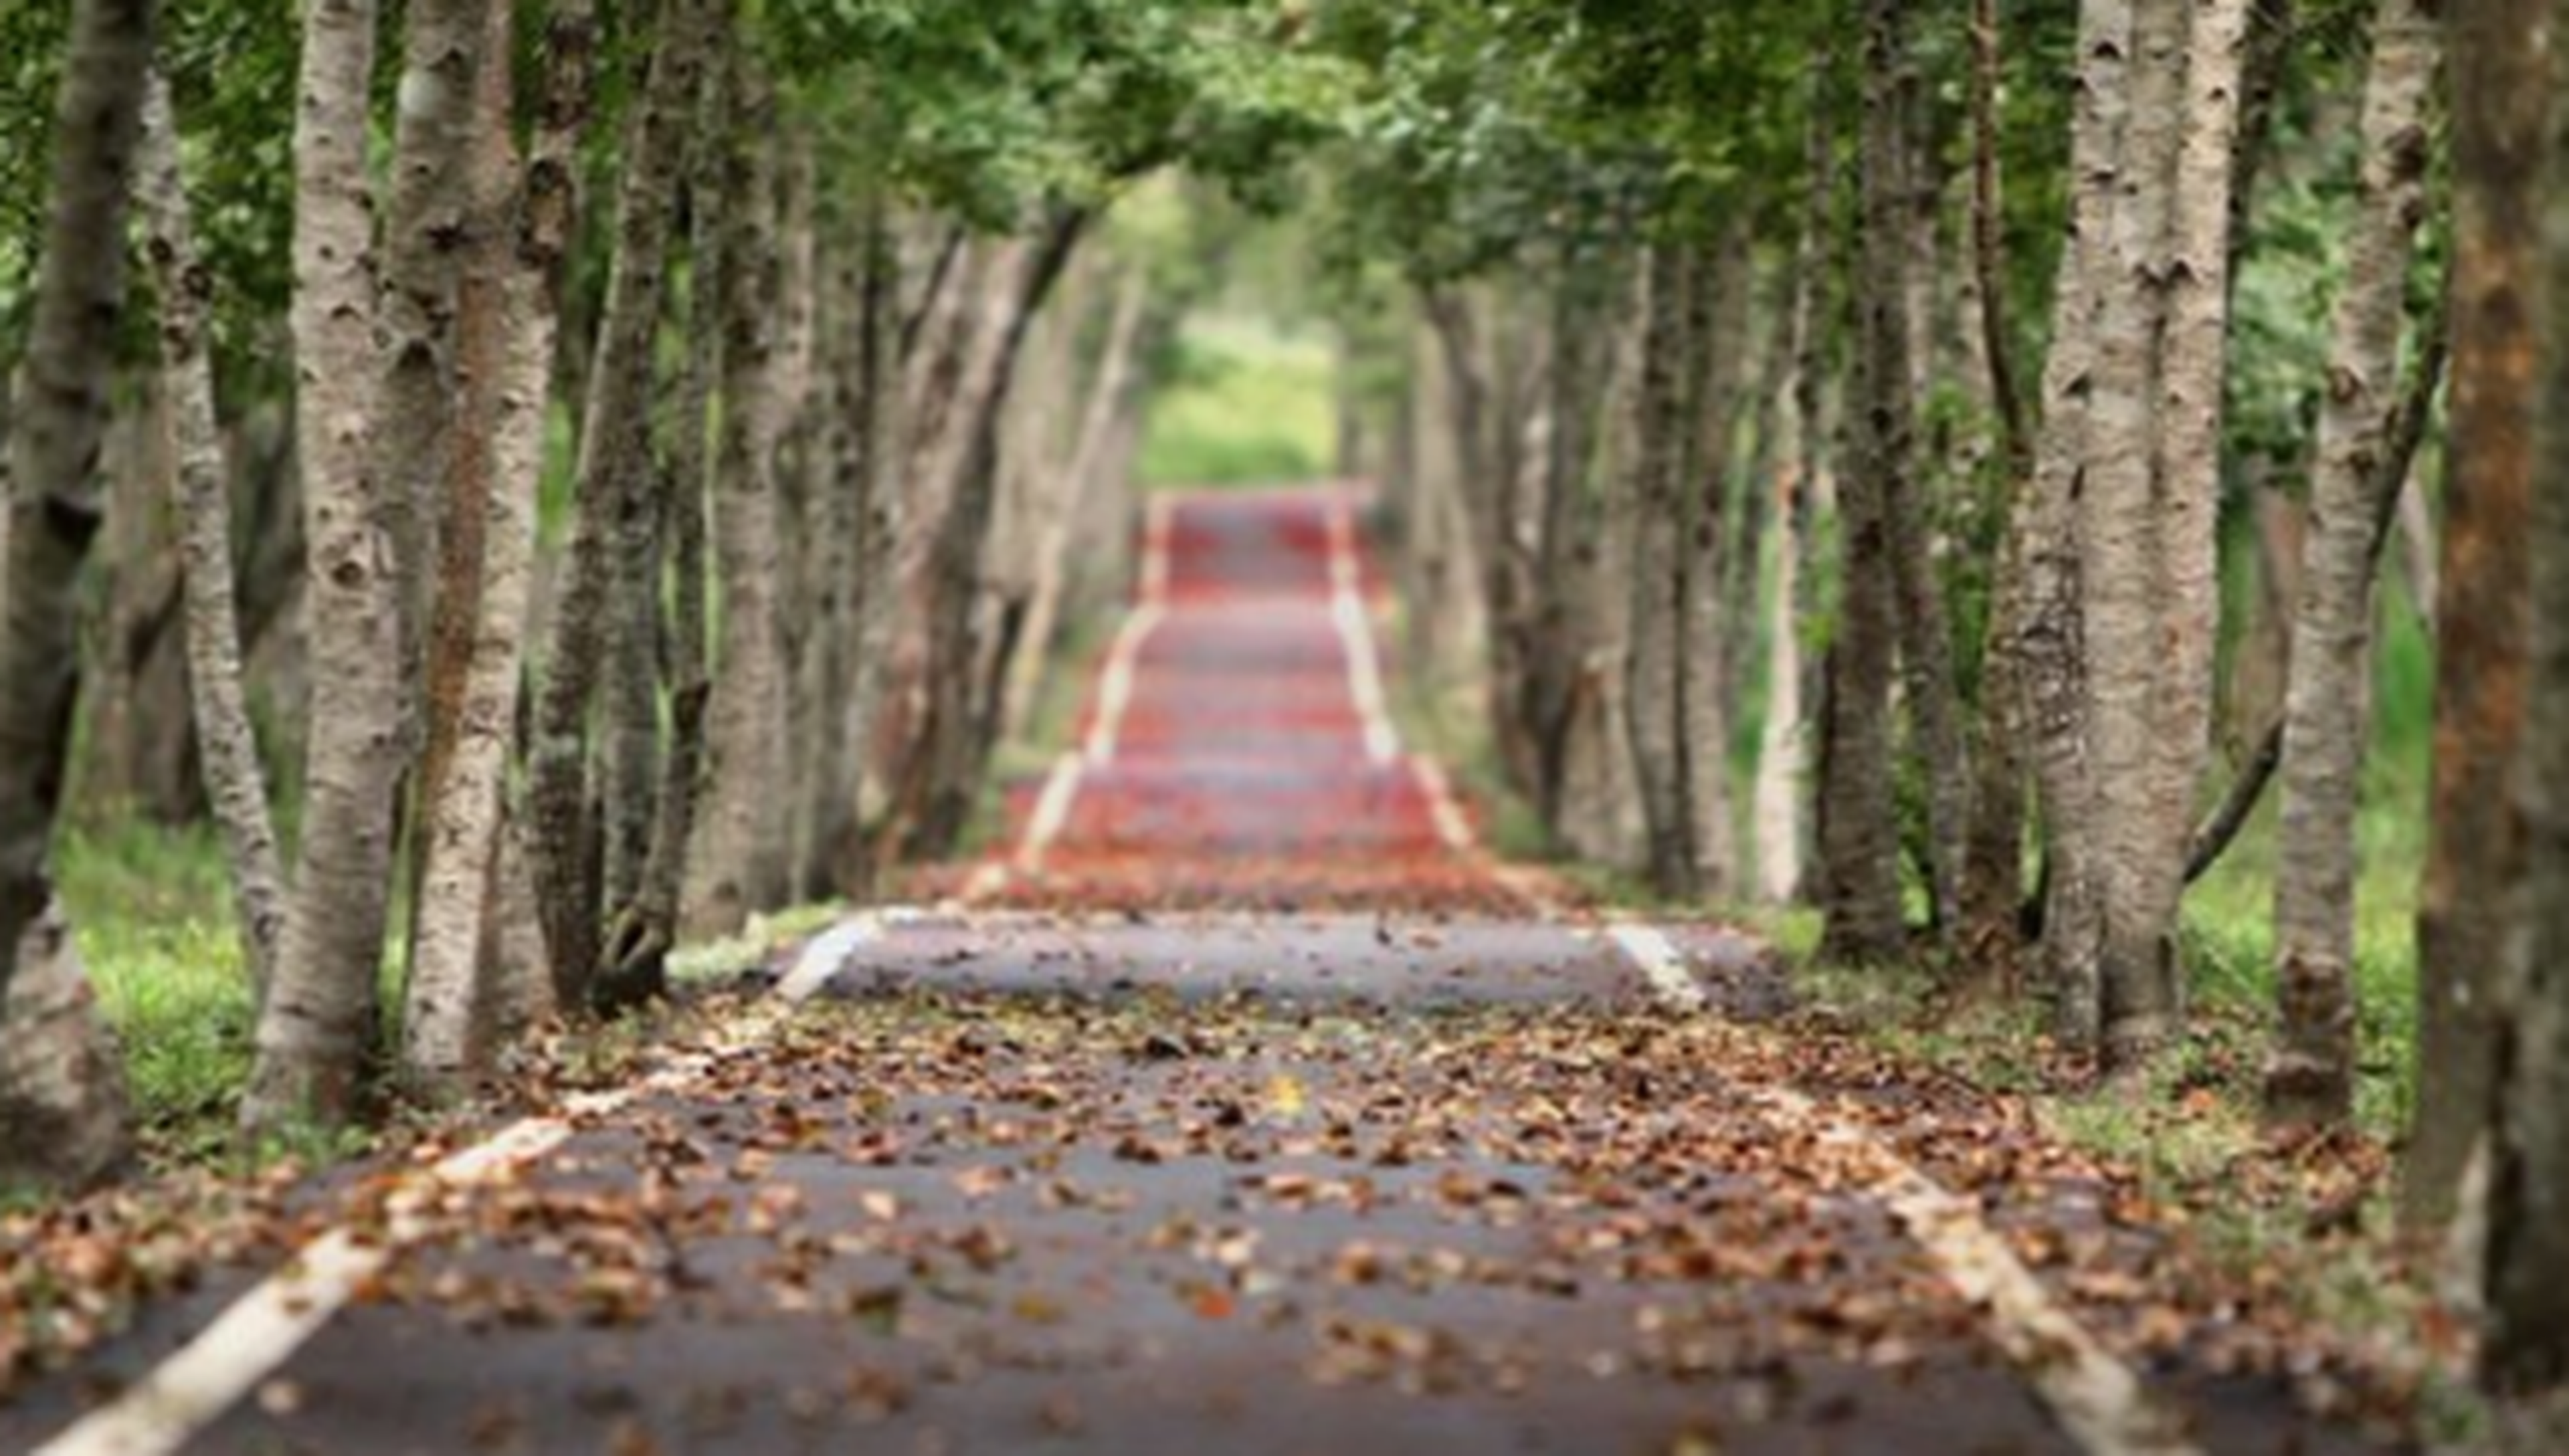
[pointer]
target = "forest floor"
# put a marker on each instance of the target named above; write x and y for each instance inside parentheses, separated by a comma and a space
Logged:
(1241, 1099)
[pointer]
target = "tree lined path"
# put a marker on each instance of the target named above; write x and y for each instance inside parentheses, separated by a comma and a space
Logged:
(1238, 1102)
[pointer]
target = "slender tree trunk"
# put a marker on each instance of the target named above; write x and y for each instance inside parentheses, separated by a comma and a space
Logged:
(61, 1095)
(319, 1013)
(487, 556)
(2051, 630)
(1083, 475)
(2191, 390)
(1566, 621)
(2120, 540)
(1655, 680)
(738, 861)
(952, 743)
(876, 427)
(2416, 527)
(613, 469)
(1793, 709)
(2405, 432)
(2503, 103)
(2310, 1080)
(236, 780)
(1897, 347)
(633, 966)
(425, 232)
(2150, 501)
(1992, 870)
(1859, 834)
(1703, 647)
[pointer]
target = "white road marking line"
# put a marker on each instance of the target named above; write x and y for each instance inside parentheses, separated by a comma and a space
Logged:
(259, 1332)
(1051, 811)
(1454, 827)
(1104, 730)
(1355, 635)
(1115, 686)
(1659, 961)
(2096, 1398)
(827, 952)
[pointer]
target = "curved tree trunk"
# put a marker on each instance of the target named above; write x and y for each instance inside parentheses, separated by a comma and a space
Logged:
(236, 780)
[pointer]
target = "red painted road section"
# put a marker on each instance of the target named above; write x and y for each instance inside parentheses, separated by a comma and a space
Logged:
(1244, 770)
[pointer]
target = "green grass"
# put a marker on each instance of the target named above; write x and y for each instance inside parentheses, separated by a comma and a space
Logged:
(151, 907)
(1250, 405)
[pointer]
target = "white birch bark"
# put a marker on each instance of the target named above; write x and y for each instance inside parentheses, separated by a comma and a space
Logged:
(236, 780)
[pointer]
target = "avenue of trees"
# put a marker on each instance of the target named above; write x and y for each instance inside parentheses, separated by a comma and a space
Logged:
(588, 474)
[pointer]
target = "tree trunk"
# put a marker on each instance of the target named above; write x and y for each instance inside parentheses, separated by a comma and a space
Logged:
(2051, 628)
(2405, 433)
(611, 476)
(425, 233)
(1569, 618)
(1704, 648)
(737, 864)
(1992, 870)
(1896, 353)
(509, 315)
(319, 1013)
(2120, 542)
(1785, 784)
(236, 780)
(875, 427)
(2310, 1080)
(1655, 667)
(633, 966)
(1084, 475)
(2151, 497)
(2191, 390)
(2524, 1355)
(61, 1094)
(2502, 91)
(951, 743)
(1859, 834)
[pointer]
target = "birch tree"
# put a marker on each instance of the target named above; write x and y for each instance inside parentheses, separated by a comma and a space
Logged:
(2327, 714)
(318, 1017)
(235, 778)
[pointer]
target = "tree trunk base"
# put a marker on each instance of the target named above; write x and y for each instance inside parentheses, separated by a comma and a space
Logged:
(63, 1112)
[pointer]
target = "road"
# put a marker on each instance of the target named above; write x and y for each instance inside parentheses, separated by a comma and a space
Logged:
(1240, 1101)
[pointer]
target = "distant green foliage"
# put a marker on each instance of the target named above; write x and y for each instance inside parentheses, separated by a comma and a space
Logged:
(1246, 404)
